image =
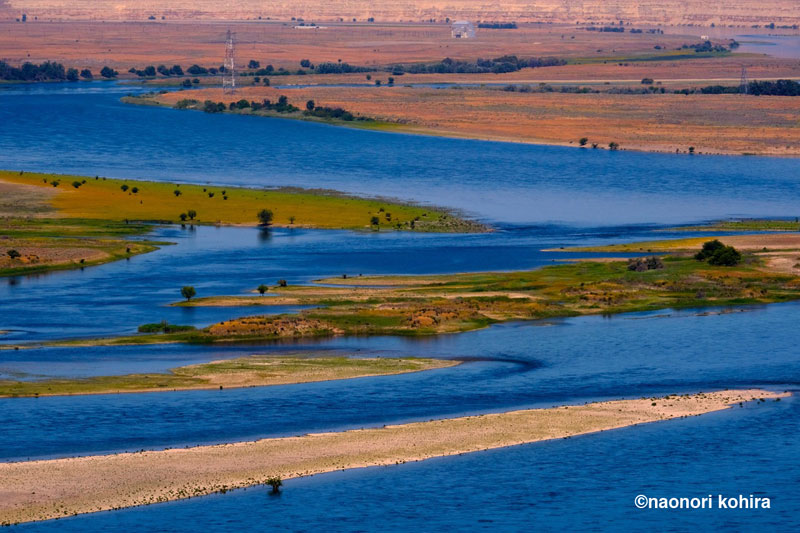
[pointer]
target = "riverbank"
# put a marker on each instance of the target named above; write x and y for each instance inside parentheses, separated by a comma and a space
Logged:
(254, 371)
(695, 123)
(41, 490)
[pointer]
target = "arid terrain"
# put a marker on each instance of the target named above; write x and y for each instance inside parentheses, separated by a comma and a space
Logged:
(127, 44)
(642, 11)
(727, 124)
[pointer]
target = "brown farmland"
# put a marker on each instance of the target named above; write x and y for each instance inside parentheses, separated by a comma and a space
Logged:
(699, 12)
(730, 124)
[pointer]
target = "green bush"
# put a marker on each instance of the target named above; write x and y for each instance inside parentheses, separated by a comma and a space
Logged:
(718, 254)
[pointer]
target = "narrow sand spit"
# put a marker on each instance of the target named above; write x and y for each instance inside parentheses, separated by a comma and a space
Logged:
(39, 490)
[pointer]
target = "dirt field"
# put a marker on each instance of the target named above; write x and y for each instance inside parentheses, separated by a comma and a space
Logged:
(39, 490)
(728, 124)
(739, 12)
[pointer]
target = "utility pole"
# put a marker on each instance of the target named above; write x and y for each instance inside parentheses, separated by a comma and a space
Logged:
(229, 76)
(744, 84)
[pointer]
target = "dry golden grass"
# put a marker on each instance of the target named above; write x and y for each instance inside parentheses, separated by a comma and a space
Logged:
(39, 490)
(156, 201)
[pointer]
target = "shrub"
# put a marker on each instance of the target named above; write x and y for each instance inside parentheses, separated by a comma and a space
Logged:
(192, 213)
(727, 256)
(718, 254)
(13, 254)
(282, 283)
(643, 264)
(124, 187)
(708, 249)
(76, 184)
(164, 327)
(262, 289)
(374, 221)
(276, 484)
(583, 141)
(183, 217)
(108, 73)
(613, 146)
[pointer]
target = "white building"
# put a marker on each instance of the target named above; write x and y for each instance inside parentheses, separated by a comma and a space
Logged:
(463, 29)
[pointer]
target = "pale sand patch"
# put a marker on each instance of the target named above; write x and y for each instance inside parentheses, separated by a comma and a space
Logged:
(786, 262)
(770, 241)
(39, 490)
(24, 200)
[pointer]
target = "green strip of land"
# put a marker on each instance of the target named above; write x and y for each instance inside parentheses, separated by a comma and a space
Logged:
(431, 305)
(255, 371)
(79, 197)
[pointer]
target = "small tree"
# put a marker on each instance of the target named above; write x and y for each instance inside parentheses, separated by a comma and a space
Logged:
(291, 219)
(183, 217)
(262, 289)
(282, 283)
(13, 254)
(135, 190)
(108, 72)
(691, 149)
(374, 221)
(188, 292)
(124, 188)
(276, 484)
(177, 192)
(583, 141)
(310, 105)
(727, 256)
(613, 146)
(708, 249)
(76, 184)
(265, 217)
(192, 214)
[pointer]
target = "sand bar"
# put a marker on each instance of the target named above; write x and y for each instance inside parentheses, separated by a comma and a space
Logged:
(39, 490)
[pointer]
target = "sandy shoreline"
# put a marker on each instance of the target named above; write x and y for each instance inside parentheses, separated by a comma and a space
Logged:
(40, 490)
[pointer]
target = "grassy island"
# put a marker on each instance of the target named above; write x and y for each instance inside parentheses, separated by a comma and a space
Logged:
(255, 371)
(50, 222)
(431, 305)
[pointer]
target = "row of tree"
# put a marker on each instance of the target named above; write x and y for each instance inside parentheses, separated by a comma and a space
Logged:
(49, 71)
(497, 65)
(757, 88)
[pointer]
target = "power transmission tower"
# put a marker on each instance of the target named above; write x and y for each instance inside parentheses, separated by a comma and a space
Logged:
(229, 76)
(743, 84)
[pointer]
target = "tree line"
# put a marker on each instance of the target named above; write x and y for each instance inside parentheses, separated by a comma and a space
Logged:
(498, 65)
(48, 71)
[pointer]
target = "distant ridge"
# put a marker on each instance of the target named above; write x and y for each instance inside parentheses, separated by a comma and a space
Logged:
(671, 12)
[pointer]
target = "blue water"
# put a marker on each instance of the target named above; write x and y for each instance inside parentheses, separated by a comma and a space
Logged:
(84, 129)
(509, 366)
(585, 483)
(116, 298)
(537, 197)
